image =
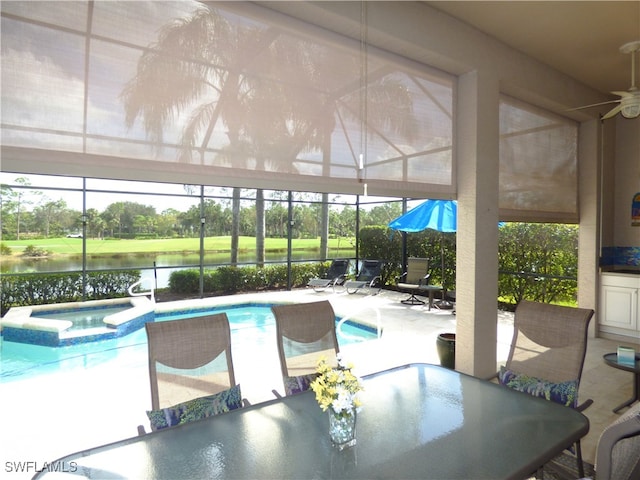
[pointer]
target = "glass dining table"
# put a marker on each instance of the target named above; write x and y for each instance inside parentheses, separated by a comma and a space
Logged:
(417, 421)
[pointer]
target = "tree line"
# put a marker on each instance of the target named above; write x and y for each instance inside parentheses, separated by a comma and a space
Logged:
(37, 216)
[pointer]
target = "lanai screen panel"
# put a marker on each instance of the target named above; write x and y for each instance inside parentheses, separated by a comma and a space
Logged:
(538, 164)
(178, 90)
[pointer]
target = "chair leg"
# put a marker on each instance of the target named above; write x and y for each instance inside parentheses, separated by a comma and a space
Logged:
(579, 459)
(412, 300)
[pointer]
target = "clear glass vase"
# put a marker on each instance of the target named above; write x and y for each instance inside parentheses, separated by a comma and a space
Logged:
(342, 429)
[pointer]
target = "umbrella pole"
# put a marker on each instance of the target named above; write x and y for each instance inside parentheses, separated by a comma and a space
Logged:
(444, 303)
(442, 262)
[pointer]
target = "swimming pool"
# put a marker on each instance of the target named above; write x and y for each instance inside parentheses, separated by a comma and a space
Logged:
(252, 331)
(71, 323)
(82, 319)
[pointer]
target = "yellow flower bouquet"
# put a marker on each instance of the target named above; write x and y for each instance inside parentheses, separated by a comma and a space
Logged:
(338, 388)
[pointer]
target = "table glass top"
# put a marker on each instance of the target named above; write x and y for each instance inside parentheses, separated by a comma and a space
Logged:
(417, 421)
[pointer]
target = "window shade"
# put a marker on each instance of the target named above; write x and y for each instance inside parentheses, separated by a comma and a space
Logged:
(538, 164)
(189, 86)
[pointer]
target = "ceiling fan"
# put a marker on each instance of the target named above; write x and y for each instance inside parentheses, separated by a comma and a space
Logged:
(629, 102)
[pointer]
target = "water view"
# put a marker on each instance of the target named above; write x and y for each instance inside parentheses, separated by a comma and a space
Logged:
(164, 263)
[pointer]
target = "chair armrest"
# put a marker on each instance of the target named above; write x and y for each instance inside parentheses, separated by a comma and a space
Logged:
(584, 405)
(400, 278)
(339, 280)
(276, 393)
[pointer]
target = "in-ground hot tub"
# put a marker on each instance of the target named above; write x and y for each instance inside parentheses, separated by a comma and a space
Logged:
(64, 324)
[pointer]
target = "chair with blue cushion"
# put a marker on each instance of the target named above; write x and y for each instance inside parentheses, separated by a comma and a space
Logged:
(190, 370)
(547, 355)
(305, 332)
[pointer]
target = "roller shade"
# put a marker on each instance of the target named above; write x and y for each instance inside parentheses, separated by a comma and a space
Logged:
(179, 91)
(538, 164)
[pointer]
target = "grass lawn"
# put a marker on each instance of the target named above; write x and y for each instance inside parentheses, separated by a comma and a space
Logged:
(73, 246)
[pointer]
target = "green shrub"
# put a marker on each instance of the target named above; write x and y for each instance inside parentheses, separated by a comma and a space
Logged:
(301, 273)
(5, 249)
(228, 279)
(46, 288)
(111, 284)
(184, 281)
(275, 276)
(255, 279)
(538, 261)
(33, 251)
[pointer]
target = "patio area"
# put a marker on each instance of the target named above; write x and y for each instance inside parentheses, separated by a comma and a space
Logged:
(57, 414)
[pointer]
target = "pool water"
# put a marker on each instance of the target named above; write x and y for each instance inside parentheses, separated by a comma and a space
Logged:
(83, 318)
(252, 330)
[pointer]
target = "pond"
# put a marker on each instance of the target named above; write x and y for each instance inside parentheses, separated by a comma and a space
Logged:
(165, 263)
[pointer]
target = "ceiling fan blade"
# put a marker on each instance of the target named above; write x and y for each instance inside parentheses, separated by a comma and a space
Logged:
(593, 105)
(612, 113)
(623, 94)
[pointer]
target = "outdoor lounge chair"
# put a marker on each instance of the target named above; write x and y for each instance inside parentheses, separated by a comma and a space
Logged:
(190, 370)
(369, 278)
(336, 275)
(547, 355)
(415, 277)
(305, 332)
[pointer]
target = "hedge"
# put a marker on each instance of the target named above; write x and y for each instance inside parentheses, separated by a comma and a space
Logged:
(228, 279)
(46, 288)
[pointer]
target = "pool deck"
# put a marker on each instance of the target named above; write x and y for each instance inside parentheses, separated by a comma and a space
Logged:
(54, 415)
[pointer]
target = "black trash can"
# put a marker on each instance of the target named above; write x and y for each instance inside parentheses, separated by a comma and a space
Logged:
(446, 345)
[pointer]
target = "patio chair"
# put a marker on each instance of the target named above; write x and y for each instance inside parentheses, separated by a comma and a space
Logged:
(335, 275)
(618, 450)
(305, 332)
(190, 370)
(415, 277)
(369, 278)
(617, 453)
(547, 355)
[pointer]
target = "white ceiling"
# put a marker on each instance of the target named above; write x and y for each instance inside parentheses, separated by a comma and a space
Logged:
(579, 38)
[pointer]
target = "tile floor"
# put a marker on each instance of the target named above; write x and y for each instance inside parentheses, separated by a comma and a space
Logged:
(58, 414)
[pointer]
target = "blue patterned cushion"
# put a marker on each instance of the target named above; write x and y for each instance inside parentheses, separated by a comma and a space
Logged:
(565, 393)
(298, 384)
(196, 409)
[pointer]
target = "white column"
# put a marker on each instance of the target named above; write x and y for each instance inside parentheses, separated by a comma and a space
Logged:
(477, 156)
(589, 240)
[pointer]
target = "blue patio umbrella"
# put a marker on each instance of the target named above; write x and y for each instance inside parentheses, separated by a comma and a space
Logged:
(440, 215)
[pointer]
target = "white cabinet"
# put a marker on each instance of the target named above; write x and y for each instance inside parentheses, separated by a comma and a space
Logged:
(620, 304)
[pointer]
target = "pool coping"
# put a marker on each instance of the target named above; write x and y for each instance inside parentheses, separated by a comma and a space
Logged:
(18, 325)
(181, 307)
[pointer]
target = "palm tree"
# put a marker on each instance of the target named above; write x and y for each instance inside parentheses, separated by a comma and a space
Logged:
(198, 59)
(236, 75)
